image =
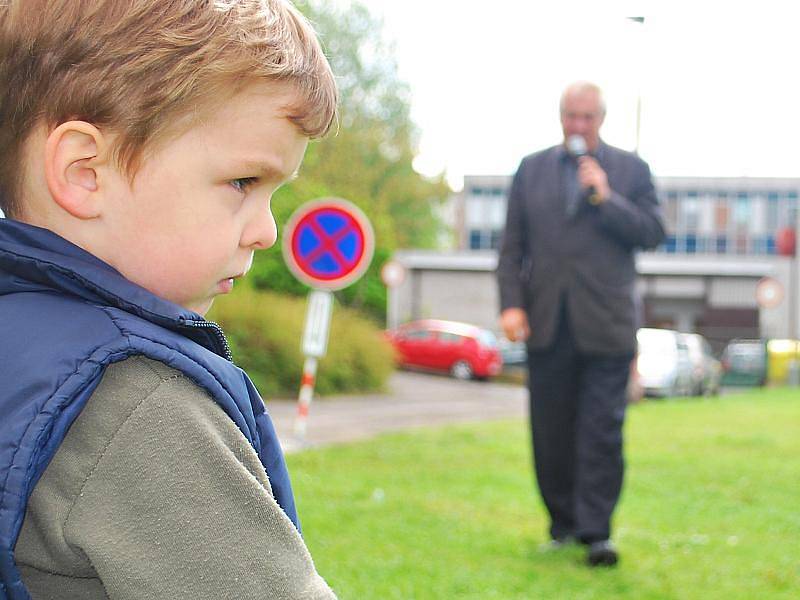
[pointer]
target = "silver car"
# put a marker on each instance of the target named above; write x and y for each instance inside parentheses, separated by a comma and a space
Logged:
(663, 363)
(706, 370)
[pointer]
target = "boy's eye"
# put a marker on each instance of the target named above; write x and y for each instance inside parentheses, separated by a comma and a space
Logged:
(241, 184)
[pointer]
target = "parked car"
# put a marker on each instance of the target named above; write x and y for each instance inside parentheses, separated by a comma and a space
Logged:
(465, 351)
(513, 353)
(706, 370)
(663, 363)
(744, 362)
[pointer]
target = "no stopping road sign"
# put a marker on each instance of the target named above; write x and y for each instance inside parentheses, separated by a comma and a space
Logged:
(328, 243)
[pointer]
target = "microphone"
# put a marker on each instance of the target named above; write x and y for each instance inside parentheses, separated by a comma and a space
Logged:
(576, 146)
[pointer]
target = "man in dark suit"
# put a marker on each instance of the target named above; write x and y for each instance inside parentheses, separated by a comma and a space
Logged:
(576, 214)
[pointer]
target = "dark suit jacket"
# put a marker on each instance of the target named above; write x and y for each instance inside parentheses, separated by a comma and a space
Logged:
(586, 260)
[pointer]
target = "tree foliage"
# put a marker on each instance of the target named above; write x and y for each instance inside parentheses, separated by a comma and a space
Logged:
(368, 161)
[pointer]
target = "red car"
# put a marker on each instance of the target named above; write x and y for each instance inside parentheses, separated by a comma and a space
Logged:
(464, 350)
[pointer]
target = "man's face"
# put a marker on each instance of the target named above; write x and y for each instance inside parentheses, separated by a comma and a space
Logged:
(582, 114)
(199, 206)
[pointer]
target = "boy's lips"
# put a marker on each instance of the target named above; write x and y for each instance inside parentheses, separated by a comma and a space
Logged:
(226, 285)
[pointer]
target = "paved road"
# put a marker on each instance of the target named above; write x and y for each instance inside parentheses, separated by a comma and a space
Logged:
(413, 400)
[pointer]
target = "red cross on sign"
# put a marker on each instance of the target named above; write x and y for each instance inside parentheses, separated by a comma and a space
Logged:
(328, 244)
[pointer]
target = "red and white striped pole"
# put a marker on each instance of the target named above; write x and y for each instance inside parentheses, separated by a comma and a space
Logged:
(314, 346)
(305, 397)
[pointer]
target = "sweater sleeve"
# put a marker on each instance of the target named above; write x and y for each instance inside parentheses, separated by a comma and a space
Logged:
(513, 247)
(179, 506)
(635, 220)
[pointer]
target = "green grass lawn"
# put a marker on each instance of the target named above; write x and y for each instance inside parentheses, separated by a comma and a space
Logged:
(710, 509)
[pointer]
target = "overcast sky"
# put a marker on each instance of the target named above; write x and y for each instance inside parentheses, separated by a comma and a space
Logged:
(719, 89)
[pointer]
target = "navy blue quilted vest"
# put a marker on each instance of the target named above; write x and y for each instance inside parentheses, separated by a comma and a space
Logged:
(64, 317)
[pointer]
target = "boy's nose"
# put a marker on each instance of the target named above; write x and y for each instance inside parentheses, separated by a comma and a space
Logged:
(261, 231)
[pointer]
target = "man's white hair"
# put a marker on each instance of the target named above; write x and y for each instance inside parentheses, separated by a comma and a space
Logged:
(582, 87)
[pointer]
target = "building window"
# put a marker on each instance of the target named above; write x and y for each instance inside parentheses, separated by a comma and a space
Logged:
(670, 244)
(771, 244)
(793, 215)
(772, 211)
(741, 211)
(473, 211)
(722, 244)
(474, 239)
(721, 215)
(741, 244)
(497, 213)
(671, 213)
(757, 224)
(690, 213)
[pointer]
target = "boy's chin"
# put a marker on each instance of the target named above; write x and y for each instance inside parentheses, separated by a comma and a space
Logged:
(203, 311)
(201, 308)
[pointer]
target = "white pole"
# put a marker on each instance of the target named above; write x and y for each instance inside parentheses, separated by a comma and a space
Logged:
(639, 51)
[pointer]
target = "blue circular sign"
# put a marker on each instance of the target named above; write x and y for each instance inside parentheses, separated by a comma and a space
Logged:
(328, 243)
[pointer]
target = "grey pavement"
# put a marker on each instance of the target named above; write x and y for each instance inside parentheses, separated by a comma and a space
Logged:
(412, 400)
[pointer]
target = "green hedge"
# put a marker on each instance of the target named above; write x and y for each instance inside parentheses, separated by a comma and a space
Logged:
(264, 330)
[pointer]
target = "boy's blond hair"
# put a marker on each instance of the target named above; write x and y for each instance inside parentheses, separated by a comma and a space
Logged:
(147, 70)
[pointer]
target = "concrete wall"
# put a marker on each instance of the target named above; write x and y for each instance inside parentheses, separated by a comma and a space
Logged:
(688, 293)
(469, 296)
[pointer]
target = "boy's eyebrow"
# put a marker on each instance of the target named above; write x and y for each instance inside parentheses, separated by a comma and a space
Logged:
(269, 171)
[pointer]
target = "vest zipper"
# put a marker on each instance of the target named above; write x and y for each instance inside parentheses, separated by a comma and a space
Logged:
(217, 336)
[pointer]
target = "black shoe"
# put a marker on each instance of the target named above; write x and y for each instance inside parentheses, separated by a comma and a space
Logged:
(602, 554)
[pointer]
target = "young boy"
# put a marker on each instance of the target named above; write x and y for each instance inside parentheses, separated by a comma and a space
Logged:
(141, 141)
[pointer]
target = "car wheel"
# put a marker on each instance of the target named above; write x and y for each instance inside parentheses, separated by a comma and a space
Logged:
(674, 390)
(461, 370)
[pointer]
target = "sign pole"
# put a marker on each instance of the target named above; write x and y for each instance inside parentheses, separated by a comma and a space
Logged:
(328, 244)
(305, 397)
(314, 346)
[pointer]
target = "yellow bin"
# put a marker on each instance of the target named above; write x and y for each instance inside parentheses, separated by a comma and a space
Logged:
(780, 355)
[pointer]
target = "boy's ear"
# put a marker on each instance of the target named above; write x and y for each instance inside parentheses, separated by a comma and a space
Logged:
(73, 152)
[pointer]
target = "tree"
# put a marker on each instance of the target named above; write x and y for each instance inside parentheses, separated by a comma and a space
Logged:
(369, 160)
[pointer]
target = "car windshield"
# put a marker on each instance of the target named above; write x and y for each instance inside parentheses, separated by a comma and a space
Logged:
(416, 334)
(656, 341)
(746, 350)
(693, 343)
(487, 338)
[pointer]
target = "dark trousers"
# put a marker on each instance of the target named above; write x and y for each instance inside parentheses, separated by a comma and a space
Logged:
(577, 409)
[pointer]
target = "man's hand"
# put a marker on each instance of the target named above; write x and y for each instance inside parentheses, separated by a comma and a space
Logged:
(514, 323)
(591, 175)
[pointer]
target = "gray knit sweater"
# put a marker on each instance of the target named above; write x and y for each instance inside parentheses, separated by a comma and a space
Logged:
(155, 493)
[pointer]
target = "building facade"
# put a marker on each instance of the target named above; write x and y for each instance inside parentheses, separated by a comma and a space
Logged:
(723, 237)
(712, 216)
